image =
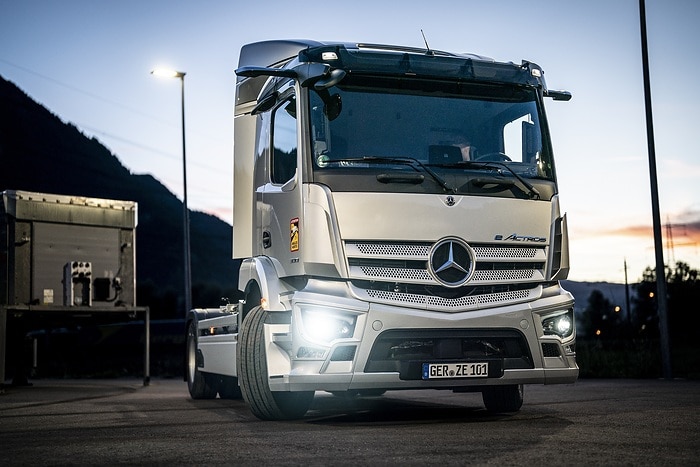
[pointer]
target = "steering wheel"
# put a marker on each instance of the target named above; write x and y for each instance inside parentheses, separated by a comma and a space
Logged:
(494, 156)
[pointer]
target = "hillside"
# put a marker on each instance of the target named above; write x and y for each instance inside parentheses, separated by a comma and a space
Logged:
(41, 153)
(615, 293)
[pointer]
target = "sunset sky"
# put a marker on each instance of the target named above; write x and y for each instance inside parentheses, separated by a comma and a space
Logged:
(89, 62)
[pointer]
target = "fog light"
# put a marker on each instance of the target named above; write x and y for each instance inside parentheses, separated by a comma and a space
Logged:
(560, 325)
(310, 352)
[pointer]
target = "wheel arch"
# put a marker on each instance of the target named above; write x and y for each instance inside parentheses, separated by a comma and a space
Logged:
(260, 283)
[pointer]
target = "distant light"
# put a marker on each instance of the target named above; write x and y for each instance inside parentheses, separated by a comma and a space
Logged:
(617, 309)
(597, 332)
(651, 294)
(167, 73)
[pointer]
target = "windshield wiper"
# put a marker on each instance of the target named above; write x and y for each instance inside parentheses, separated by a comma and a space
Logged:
(532, 191)
(410, 161)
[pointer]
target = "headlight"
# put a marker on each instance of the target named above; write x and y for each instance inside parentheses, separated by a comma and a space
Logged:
(324, 325)
(559, 325)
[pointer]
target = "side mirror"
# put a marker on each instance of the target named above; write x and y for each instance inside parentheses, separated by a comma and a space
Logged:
(331, 80)
(559, 95)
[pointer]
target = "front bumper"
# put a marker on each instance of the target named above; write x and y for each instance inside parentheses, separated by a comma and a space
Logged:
(389, 345)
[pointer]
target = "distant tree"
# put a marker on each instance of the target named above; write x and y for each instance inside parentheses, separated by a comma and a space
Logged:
(683, 296)
(163, 303)
(601, 319)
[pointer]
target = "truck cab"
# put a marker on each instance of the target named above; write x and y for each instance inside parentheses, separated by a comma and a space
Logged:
(398, 218)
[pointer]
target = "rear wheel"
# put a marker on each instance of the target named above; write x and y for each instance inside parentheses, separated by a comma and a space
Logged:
(199, 384)
(501, 399)
(264, 403)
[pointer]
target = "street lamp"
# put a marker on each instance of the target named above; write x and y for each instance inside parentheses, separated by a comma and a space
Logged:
(185, 211)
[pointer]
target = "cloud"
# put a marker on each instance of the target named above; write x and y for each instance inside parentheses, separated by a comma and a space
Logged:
(683, 228)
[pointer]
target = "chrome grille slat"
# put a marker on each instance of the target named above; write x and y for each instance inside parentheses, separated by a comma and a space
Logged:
(449, 304)
(506, 253)
(506, 275)
(422, 275)
(394, 274)
(421, 251)
(387, 250)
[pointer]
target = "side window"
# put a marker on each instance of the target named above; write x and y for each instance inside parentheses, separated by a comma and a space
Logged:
(284, 142)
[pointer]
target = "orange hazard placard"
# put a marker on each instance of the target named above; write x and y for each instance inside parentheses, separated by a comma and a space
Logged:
(294, 234)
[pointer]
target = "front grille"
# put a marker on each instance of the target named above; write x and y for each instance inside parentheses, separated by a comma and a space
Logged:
(405, 351)
(397, 273)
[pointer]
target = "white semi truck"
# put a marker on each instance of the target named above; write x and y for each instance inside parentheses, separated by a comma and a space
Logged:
(397, 215)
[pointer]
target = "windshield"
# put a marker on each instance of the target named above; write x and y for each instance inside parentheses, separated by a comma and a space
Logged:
(429, 137)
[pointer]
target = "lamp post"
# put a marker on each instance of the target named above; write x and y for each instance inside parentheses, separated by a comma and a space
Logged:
(185, 210)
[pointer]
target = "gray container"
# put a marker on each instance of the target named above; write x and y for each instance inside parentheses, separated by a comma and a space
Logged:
(67, 251)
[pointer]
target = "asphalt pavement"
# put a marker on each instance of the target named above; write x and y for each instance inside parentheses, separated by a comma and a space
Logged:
(591, 422)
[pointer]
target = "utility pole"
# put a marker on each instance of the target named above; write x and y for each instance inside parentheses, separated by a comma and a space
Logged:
(627, 299)
(658, 241)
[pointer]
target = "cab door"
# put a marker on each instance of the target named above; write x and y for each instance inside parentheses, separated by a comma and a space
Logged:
(282, 194)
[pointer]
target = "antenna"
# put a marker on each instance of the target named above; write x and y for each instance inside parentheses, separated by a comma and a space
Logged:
(430, 52)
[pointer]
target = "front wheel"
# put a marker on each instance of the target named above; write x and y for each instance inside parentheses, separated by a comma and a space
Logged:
(199, 384)
(252, 374)
(502, 399)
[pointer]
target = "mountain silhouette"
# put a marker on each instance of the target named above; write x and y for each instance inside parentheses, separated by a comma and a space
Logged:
(41, 153)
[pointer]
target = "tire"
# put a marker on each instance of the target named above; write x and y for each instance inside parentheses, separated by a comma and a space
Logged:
(200, 385)
(503, 399)
(253, 377)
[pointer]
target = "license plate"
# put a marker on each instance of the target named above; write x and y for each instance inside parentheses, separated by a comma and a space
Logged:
(455, 370)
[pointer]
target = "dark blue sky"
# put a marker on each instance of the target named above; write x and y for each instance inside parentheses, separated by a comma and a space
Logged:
(89, 61)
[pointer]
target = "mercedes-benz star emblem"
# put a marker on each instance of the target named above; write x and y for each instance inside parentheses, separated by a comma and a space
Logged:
(451, 262)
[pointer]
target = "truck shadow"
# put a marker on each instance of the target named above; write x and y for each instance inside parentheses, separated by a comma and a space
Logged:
(394, 410)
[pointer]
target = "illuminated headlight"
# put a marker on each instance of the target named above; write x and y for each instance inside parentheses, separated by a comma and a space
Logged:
(560, 325)
(325, 326)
